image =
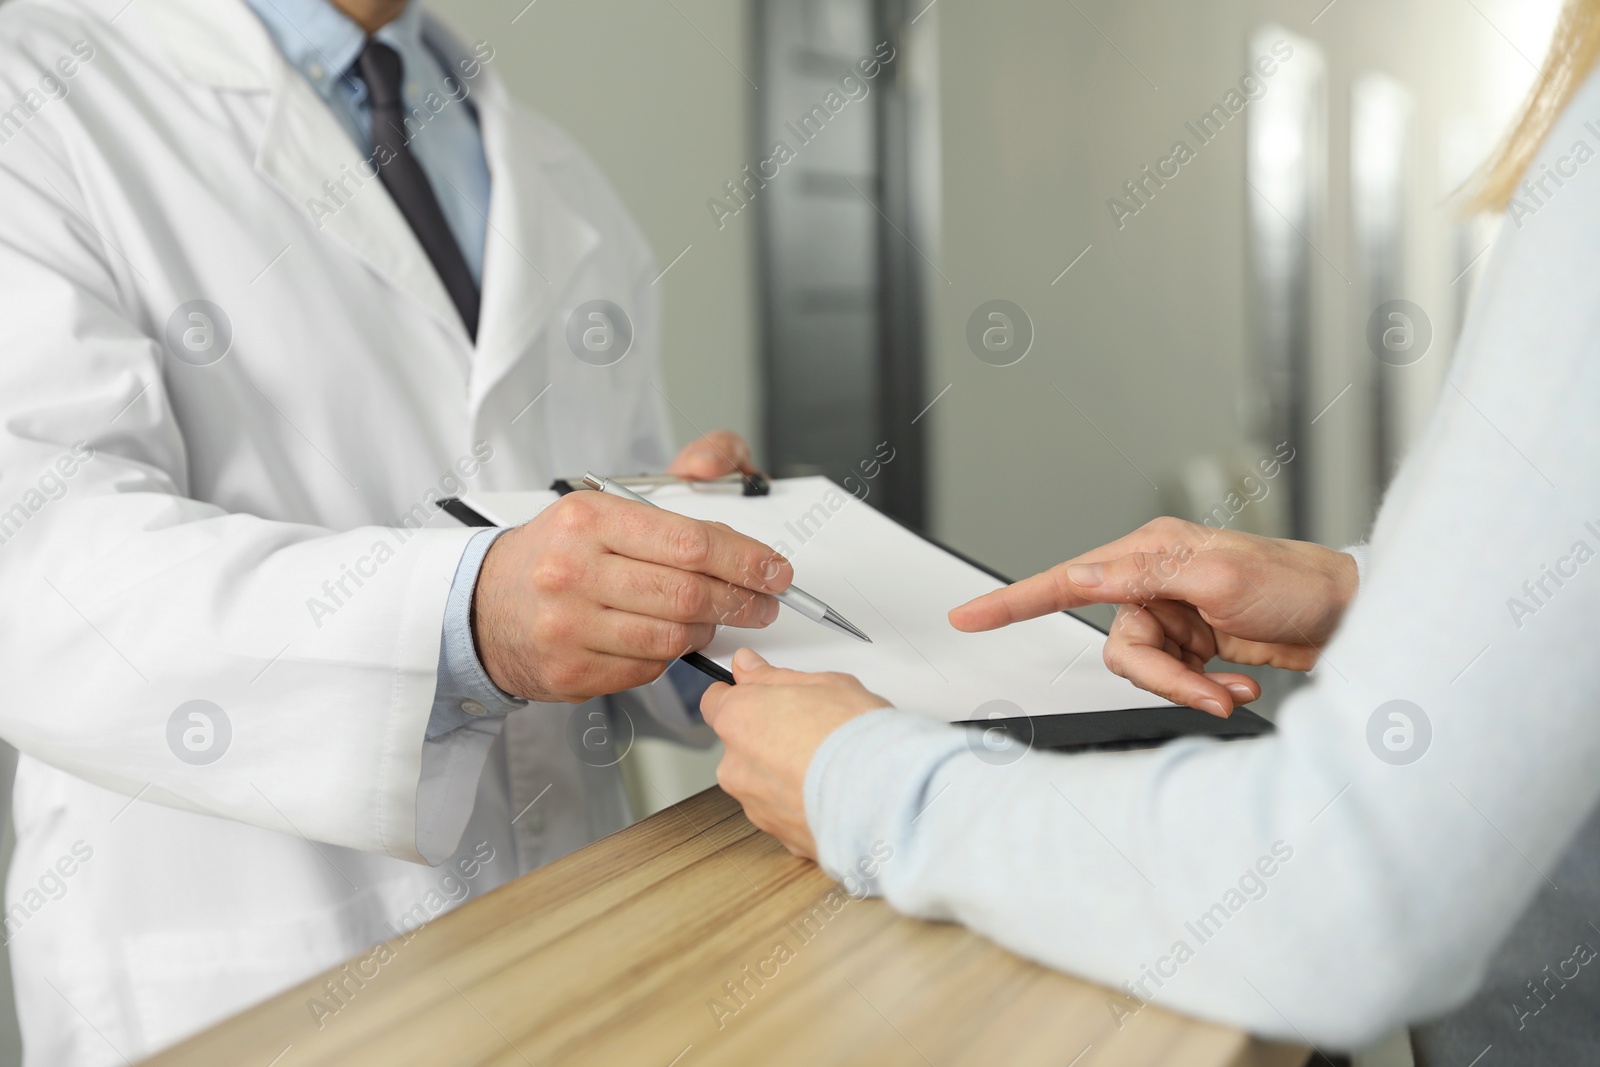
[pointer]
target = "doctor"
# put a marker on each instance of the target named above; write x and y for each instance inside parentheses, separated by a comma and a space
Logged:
(276, 277)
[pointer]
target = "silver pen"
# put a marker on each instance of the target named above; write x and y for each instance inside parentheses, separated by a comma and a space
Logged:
(792, 597)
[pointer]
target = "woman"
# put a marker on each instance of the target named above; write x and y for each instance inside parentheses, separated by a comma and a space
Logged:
(1356, 871)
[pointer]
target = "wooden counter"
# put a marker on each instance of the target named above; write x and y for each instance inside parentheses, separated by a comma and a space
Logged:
(623, 953)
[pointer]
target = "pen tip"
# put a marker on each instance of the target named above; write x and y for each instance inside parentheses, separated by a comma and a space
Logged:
(845, 626)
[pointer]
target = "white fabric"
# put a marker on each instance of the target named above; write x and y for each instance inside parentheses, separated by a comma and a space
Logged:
(1356, 894)
(1359, 554)
(196, 511)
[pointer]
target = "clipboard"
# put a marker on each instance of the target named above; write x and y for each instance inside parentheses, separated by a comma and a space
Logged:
(1121, 727)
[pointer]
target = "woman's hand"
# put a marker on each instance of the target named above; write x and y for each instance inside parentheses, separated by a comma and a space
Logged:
(1188, 594)
(771, 724)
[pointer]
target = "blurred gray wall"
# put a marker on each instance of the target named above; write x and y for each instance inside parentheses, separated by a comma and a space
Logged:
(1048, 108)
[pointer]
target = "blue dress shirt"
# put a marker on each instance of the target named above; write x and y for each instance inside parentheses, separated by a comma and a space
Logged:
(323, 44)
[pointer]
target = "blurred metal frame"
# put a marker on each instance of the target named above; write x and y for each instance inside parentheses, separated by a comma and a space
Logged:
(840, 230)
(1286, 175)
(1381, 132)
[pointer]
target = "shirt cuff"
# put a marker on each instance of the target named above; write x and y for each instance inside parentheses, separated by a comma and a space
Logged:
(465, 694)
(1359, 554)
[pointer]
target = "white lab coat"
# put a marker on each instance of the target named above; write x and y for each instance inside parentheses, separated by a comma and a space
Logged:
(167, 525)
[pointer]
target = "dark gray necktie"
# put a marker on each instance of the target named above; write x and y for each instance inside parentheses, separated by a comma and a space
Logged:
(402, 175)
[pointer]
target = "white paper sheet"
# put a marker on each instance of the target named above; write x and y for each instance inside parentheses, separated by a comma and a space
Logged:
(897, 588)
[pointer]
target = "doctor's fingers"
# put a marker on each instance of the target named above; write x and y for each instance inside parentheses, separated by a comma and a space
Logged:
(1141, 649)
(717, 453)
(623, 633)
(586, 675)
(679, 596)
(658, 536)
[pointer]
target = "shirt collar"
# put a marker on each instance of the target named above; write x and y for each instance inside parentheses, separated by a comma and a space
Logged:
(322, 42)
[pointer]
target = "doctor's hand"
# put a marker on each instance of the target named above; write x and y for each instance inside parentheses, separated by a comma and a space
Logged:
(771, 724)
(597, 595)
(718, 453)
(1187, 594)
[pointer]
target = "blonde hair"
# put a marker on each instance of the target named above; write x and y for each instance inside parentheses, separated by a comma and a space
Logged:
(1573, 52)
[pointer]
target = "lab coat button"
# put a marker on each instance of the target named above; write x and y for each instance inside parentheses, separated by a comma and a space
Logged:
(472, 707)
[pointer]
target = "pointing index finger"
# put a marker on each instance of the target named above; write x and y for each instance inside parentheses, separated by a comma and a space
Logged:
(1055, 589)
(1044, 593)
(1135, 578)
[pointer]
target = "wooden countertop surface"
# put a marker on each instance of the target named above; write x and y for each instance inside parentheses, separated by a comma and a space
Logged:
(623, 952)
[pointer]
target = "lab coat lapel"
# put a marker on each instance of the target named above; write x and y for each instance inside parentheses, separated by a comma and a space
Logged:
(536, 242)
(309, 156)
(304, 151)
